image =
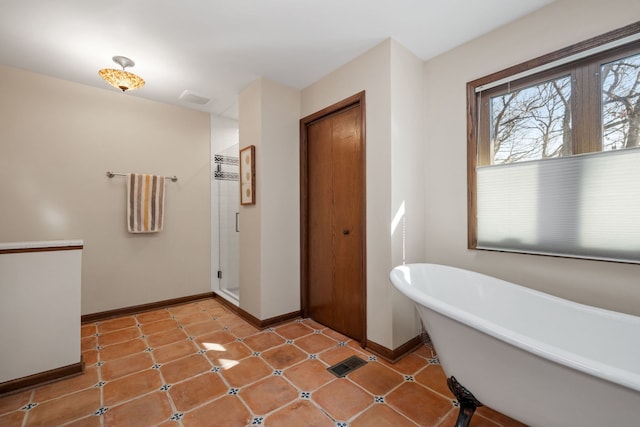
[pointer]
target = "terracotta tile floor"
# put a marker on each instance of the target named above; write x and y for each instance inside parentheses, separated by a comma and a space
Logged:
(200, 365)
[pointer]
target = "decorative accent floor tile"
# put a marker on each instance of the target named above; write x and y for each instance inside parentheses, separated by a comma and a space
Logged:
(28, 406)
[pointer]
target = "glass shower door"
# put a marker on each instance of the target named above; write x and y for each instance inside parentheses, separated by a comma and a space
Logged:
(227, 178)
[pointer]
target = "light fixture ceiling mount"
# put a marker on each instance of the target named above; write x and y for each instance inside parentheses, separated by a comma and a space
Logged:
(122, 79)
(123, 61)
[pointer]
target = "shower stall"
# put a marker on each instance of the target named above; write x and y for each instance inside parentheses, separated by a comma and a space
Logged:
(226, 203)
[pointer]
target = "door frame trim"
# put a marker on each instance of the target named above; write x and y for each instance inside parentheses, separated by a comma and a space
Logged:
(358, 101)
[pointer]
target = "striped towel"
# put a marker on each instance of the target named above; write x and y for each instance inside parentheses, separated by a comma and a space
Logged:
(145, 203)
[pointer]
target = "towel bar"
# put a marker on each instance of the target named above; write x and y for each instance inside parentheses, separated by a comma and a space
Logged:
(112, 174)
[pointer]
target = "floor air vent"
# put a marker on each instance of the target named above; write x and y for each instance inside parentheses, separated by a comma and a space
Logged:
(346, 366)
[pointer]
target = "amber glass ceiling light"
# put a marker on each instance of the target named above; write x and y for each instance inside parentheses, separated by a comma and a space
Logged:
(122, 79)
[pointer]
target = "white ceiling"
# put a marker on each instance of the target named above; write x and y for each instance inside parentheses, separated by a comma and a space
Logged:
(216, 48)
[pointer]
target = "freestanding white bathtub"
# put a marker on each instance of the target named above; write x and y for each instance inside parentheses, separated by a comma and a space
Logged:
(537, 358)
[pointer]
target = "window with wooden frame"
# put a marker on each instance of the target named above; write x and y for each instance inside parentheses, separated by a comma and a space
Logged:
(554, 153)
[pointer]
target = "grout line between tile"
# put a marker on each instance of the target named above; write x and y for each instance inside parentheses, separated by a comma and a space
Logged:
(444, 417)
(26, 415)
(100, 378)
(162, 379)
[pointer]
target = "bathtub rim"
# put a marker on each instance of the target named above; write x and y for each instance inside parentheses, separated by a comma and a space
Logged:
(566, 358)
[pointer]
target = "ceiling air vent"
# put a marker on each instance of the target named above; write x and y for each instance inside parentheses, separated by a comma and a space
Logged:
(193, 98)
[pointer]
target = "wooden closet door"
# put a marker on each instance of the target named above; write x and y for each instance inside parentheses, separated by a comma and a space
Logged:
(335, 222)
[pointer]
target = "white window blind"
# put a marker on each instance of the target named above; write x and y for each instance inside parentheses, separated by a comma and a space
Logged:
(585, 206)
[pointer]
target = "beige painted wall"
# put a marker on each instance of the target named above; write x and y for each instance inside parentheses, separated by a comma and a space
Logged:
(58, 139)
(280, 192)
(407, 181)
(250, 133)
(605, 284)
(270, 229)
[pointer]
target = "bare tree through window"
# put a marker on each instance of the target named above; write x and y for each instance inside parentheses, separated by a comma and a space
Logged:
(621, 103)
(532, 123)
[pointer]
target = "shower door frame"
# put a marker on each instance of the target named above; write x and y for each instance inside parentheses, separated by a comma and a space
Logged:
(220, 175)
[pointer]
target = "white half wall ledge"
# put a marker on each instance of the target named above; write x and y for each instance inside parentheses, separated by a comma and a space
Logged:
(40, 244)
(39, 308)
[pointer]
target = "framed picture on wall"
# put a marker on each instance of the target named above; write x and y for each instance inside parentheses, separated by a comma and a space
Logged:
(247, 176)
